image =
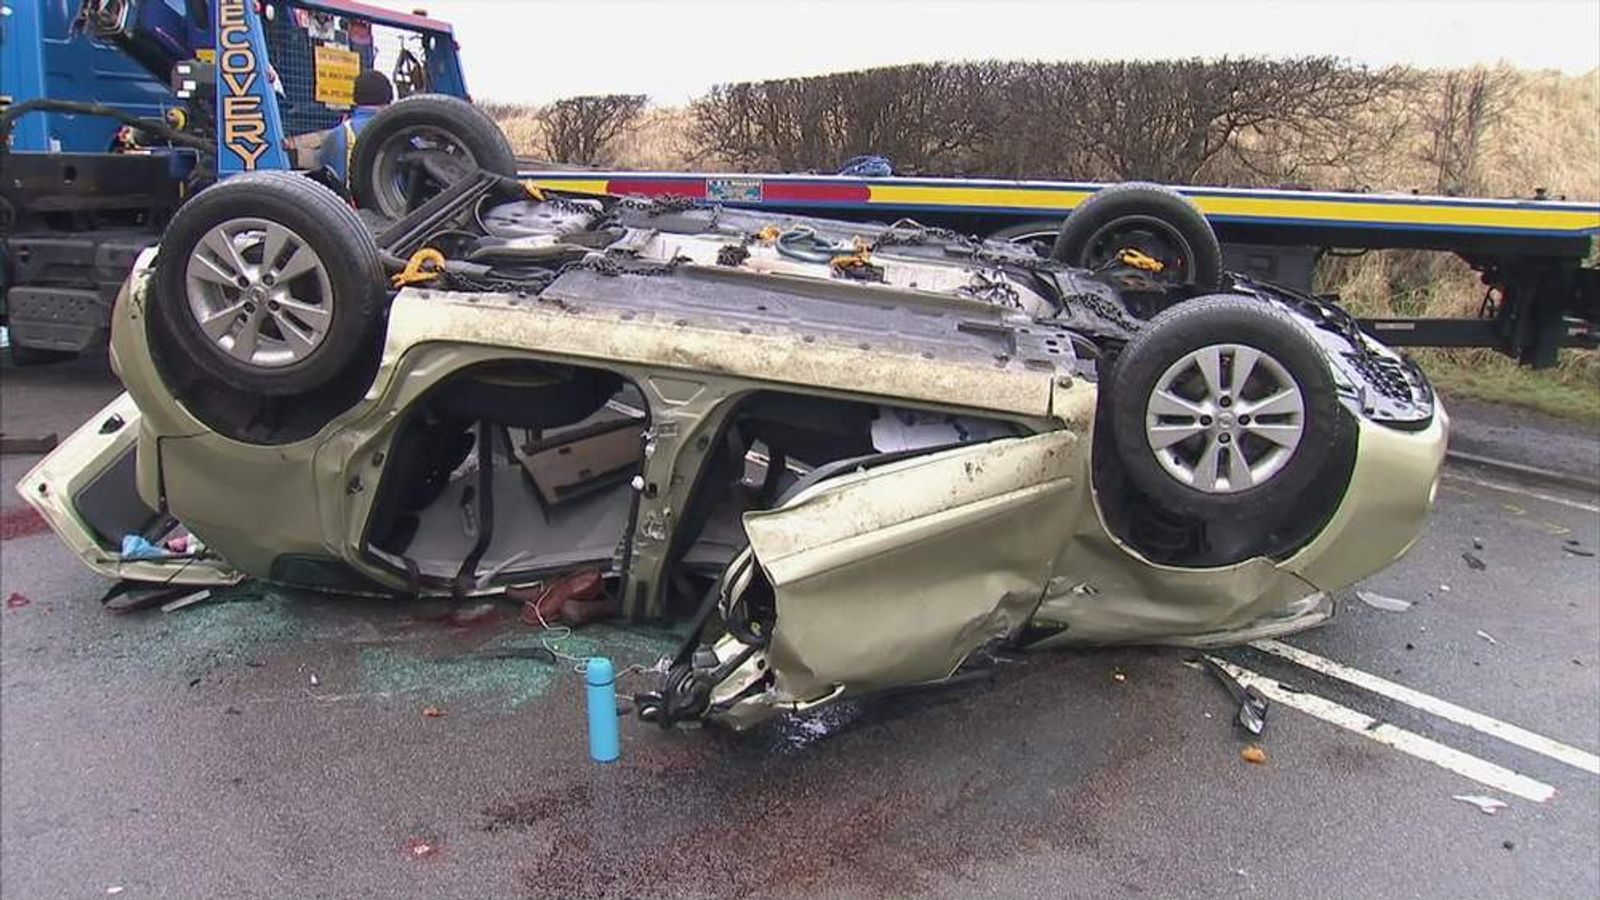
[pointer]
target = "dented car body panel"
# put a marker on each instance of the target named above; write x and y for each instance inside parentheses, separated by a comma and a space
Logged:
(976, 509)
(928, 559)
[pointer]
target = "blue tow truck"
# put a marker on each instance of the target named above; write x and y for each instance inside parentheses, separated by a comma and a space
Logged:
(112, 112)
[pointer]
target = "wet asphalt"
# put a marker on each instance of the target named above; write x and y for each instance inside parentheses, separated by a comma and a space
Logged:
(190, 754)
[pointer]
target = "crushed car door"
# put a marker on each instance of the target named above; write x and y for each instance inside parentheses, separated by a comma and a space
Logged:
(87, 490)
(895, 575)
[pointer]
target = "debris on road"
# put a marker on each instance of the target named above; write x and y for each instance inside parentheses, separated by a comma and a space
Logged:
(187, 600)
(1253, 754)
(1576, 548)
(576, 598)
(1486, 805)
(1445, 588)
(420, 848)
(17, 601)
(315, 680)
(433, 712)
(1473, 562)
(1119, 676)
(114, 889)
(1477, 543)
(479, 613)
(1379, 601)
(1487, 636)
(1252, 705)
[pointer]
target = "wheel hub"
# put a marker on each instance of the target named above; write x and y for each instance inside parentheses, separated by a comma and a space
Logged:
(260, 292)
(1225, 418)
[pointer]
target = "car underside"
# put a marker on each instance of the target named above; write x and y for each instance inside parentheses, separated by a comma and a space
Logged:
(854, 457)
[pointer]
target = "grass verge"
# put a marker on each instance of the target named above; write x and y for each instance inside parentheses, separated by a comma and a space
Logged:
(1569, 392)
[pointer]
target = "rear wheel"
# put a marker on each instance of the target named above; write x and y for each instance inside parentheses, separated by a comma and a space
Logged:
(414, 148)
(269, 284)
(1156, 221)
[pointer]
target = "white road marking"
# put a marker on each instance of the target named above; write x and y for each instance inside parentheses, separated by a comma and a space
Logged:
(1513, 489)
(1482, 771)
(1444, 709)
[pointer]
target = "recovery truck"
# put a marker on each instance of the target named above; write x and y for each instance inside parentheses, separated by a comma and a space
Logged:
(113, 112)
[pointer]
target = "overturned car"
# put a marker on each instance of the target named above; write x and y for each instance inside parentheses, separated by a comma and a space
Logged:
(855, 456)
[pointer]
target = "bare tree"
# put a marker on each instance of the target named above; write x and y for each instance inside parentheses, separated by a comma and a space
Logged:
(926, 118)
(580, 129)
(1171, 120)
(1457, 108)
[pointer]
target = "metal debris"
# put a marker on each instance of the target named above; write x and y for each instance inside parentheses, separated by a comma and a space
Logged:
(1486, 805)
(1473, 562)
(1379, 601)
(1252, 705)
(188, 600)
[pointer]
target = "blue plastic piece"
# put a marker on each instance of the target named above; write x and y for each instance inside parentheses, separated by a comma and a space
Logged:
(134, 546)
(605, 737)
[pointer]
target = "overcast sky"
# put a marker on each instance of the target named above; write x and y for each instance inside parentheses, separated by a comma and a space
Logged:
(538, 50)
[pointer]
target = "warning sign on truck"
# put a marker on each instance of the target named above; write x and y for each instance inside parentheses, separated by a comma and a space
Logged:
(337, 69)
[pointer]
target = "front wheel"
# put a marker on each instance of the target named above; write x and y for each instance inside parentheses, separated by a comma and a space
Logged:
(269, 284)
(1223, 406)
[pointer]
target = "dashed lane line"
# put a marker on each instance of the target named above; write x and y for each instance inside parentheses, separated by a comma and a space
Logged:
(1428, 703)
(1480, 770)
(1513, 489)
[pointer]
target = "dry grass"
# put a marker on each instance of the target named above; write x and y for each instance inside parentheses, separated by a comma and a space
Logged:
(1549, 137)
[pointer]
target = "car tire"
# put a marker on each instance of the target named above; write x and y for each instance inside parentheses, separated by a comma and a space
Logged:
(448, 125)
(1151, 218)
(291, 324)
(1201, 438)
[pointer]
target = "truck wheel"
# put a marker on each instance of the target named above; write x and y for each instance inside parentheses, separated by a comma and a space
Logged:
(415, 147)
(1154, 220)
(1224, 405)
(270, 284)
